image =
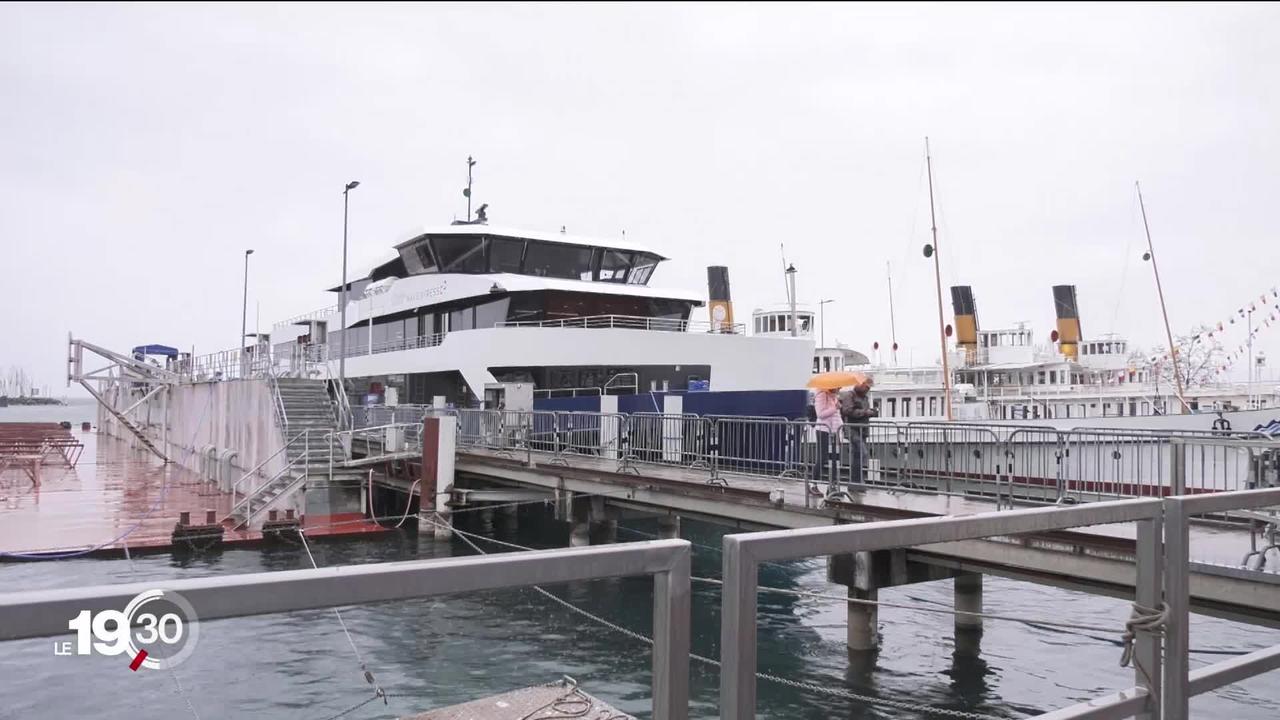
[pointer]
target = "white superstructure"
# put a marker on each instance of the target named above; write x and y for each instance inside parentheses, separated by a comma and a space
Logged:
(463, 306)
(1005, 374)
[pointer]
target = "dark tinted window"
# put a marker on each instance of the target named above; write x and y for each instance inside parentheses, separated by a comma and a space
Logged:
(505, 255)
(645, 263)
(614, 265)
(459, 254)
(558, 261)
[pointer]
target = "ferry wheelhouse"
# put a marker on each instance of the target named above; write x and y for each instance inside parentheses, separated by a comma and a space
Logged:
(465, 306)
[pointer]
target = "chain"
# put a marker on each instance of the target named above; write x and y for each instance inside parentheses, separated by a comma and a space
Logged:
(355, 707)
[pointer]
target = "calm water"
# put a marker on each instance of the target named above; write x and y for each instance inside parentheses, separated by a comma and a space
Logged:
(448, 650)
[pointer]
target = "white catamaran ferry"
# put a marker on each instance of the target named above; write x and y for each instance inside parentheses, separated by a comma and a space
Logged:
(469, 305)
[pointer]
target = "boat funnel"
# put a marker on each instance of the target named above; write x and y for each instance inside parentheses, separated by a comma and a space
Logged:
(1064, 306)
(966, 313)
(720, 307)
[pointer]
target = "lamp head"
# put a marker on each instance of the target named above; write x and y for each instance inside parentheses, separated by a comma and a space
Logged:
(353, 185)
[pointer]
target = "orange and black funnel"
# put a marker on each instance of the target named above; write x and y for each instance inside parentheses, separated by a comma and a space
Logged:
(1068, 314)
(720, 307)
(966, 312)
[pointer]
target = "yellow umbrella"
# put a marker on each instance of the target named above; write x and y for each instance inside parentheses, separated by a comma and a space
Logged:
(836, 380)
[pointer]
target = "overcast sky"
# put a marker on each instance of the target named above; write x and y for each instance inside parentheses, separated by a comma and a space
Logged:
(143, 148)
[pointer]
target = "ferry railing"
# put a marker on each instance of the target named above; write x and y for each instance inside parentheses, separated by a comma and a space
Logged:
(567, 392)
(630, 322)
(44, 613)
(744, 553)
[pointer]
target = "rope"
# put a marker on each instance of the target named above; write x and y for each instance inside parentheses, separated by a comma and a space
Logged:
(368, 676)
(408, 503)
(1142, 619)
(838, 692)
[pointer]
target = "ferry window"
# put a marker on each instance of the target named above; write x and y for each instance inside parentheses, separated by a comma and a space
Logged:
(806, 321)
(773, 323)
(815, 364)
(920, 406)
(645, 263)
(490, 314)
(1040, 378)
(1146, 408)
(460, 254)
(558, 261)
(906, 407)
(505, 255)
(614, 265)
(933, 406)
(893, 407)
(462, 319)
(423, 251)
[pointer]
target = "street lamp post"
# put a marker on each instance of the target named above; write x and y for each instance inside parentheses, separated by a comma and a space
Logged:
(822, 322)
(244, 311)
(342, 297)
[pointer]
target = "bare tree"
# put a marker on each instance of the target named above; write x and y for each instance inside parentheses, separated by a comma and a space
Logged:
(1198, 358)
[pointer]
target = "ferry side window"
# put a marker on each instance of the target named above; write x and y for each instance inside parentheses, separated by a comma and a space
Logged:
(893, 407)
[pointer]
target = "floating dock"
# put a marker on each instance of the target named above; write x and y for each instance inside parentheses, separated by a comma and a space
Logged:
(117, 499)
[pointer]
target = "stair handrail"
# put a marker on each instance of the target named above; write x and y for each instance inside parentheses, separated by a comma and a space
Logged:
(304, 434)
(247, 501)
(282, 415)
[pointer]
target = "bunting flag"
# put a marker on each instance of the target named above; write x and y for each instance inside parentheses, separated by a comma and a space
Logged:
(1216, 331)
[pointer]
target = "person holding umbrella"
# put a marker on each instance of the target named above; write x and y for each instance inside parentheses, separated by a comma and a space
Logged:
(826, 405)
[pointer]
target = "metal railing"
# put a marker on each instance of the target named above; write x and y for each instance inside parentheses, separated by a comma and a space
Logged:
(632, 322)
(303, 438)
(744, 553)
(377, 440)
(1173, 683)
(1004, 462)
(44, 613)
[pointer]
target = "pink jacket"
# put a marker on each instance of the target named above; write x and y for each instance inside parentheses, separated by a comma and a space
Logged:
(827, 406)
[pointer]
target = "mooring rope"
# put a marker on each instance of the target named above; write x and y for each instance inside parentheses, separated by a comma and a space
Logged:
(368, 675)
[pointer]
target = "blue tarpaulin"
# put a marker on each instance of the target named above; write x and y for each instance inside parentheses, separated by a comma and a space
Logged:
(163, 350)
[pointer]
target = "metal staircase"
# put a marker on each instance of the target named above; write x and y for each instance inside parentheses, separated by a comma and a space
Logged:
(306, 415)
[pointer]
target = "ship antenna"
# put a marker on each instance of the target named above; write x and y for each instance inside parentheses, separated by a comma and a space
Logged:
(1151, 255)
(470, 164)
(937, 274)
